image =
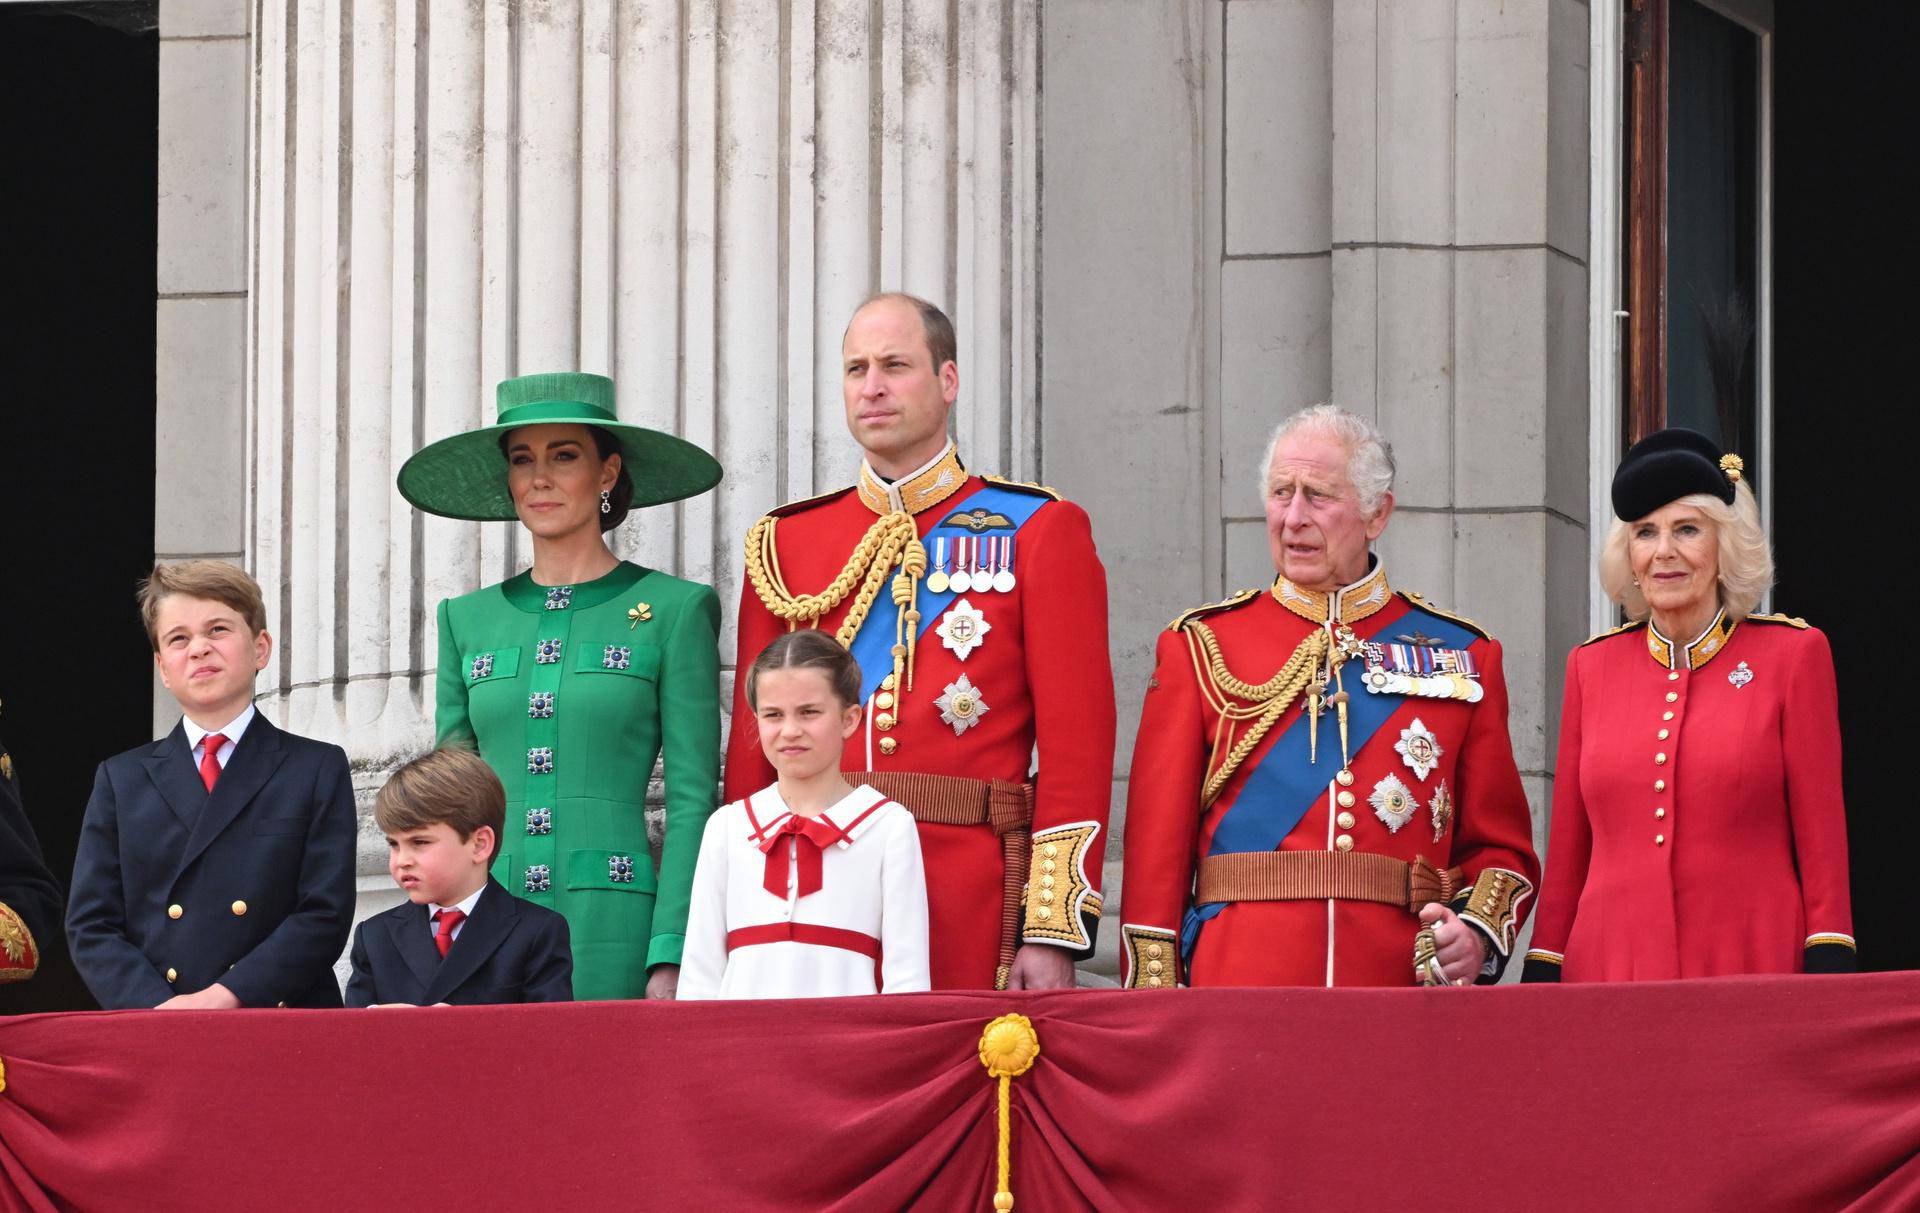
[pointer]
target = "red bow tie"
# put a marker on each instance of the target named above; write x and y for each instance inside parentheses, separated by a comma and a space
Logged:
(811, 835)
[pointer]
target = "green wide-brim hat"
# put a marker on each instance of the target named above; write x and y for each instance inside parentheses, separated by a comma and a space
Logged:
(465, 476)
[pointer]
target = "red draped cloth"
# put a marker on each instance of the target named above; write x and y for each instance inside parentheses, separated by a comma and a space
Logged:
(1789, 1093)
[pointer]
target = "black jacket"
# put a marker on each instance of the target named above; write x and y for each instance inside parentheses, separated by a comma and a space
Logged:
(251, 885)
(28, 891)
(509, 950)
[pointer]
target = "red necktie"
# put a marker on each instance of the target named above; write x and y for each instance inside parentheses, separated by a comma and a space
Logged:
(210, 760)
(444, 923)
(810, 835)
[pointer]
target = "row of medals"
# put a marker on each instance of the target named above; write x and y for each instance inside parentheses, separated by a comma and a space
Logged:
(979, 565)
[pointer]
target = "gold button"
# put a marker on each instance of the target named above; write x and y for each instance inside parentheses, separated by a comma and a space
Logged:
(1345, 777)
(1155, 951)
(1661, 735)
(889, 683)
(1154, 982)
(239, 909)
(1659, 840)
(1052, 850)
(282, 1003)
(888, 745)
(1673, 676)
(1659, 785)
(883, 700)
(883, 721)
(1659, 814)
(174, 911)
(1048, 865)
(1660, 759)
(1672, 696)
(171, 975)
(1155, 967)
(1043, 913)
(1666, 715)
(1345, 800)
(1344, 842)
(1344, 821)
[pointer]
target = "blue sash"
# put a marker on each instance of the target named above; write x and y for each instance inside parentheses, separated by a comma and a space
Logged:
(872, 646)
(1287, 782)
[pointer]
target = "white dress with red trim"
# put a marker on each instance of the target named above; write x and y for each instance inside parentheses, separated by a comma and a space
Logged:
(795, 907)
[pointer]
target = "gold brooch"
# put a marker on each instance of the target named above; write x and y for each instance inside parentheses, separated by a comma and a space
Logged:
(637, 614)
(1732, 465)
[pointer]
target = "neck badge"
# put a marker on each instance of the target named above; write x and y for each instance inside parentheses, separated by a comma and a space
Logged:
(962, 628)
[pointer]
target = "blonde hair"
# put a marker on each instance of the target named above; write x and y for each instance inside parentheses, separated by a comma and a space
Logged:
(1744, 555)
(215, 580)
(453, 786)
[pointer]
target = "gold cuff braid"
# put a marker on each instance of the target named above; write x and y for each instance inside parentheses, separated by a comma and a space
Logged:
(1153, 957)
(1058, 891)
(1493, 905)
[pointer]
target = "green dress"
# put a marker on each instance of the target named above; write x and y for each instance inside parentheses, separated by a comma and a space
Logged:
(570, 693)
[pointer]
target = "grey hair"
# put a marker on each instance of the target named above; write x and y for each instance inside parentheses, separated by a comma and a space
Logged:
(1370, 466)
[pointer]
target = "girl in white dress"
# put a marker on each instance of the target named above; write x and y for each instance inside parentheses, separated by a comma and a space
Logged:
(810, 887)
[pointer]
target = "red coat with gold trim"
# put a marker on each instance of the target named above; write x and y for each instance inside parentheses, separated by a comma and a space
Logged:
(1320, 941)
(1698, 824)
(1043, 674)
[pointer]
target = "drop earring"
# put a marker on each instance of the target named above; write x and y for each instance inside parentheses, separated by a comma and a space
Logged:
(606, 501)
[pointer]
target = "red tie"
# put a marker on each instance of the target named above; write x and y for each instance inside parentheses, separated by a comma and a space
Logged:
(210, 760)
(810, 835)
(445, 921)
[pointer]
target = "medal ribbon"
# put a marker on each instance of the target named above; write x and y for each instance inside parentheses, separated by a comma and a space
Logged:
(872, 646)
(1286, 782)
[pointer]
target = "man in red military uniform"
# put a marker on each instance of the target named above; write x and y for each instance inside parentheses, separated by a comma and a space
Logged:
(978, 611)
(1323, 789)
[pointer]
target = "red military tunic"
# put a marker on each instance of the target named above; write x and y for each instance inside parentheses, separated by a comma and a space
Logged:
(1698, 827)
(1037, 686)
(1441, 767)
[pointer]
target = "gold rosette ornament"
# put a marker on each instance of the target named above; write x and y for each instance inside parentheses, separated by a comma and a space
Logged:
(1008, 1049)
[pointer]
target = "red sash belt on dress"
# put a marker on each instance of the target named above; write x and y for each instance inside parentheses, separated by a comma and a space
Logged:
(805, 932)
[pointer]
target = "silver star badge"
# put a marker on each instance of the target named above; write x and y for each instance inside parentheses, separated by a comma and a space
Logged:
(1419, 748)
(961, 706)
(962, 628)
(1741, 676)
(1392, 803)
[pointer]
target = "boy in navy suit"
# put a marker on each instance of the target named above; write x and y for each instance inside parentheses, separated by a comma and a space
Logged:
(460, 938)
(215, 866)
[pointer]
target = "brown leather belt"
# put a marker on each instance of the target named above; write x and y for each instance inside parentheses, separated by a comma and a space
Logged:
(953, 800)
(1316, 875)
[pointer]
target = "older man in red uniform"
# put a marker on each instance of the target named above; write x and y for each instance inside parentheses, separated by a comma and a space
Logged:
(978, 611)
(1323, 789)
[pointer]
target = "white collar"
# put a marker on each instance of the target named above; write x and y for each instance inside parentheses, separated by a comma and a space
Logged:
(234, 728)
(464, 905)
(852, 815)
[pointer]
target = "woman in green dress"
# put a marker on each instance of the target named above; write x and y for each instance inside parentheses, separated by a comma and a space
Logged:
(574, 676)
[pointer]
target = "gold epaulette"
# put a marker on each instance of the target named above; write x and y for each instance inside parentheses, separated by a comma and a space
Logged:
(1185, 617)
(794, 507)
(1792, 621)
(1462, 620)
(1628, 626)
(1023, 486)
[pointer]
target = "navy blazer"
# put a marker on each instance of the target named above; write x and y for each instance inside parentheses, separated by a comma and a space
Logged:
(509, 950)
(27, 888)
(250, 885)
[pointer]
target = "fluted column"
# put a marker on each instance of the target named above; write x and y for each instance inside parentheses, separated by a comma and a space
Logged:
(688, 195)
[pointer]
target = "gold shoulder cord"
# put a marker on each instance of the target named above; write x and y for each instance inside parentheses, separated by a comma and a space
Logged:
(1266, 702)
(892, 541)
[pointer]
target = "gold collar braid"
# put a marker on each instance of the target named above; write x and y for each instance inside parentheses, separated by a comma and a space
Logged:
(1348, 605)
(893, 541)
(934, 482)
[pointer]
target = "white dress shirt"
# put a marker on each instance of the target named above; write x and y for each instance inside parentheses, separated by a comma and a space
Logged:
(234, 728)
(464, 905)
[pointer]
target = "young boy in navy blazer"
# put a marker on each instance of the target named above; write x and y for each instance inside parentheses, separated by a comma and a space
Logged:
(215, 866)
(460, 938)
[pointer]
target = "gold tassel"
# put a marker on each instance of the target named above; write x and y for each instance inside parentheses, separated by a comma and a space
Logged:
(1008, 1049)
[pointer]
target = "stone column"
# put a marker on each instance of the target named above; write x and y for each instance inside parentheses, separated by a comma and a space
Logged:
(688, 196)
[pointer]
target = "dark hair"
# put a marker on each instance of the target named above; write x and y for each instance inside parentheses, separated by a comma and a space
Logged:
(934, 324)
(620, 496)
(808, 649)
(453, 785)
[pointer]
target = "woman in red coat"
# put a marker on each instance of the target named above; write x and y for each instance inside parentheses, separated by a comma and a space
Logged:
(1698, 827)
